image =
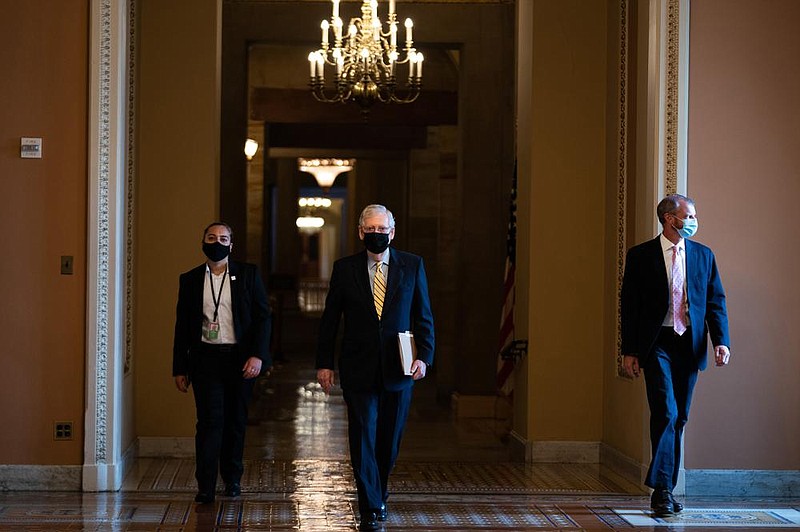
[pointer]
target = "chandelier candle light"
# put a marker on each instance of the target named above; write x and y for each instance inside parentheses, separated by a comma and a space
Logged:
(365, 59)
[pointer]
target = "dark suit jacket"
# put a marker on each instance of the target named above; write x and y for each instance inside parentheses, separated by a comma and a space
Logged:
(251, 314)
(645, 299)
(370, 356)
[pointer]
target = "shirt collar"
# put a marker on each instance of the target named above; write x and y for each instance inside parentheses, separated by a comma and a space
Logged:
(226, 272)
(372, 263)
(666, 244)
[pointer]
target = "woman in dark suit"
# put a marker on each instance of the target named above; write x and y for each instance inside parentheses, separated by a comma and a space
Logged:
(221, 345)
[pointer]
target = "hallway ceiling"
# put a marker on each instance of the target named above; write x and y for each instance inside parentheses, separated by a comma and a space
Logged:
(279, 95)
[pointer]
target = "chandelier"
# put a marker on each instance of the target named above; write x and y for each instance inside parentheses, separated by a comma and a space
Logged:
(308, 222)
(365, 60)
(325, 170)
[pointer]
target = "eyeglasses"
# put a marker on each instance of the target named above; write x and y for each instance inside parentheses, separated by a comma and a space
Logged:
(376, 229)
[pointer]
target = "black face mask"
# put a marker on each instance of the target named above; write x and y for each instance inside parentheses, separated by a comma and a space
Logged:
(216, 251)
(376, 242)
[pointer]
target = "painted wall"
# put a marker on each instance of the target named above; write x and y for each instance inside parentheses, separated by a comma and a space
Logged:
(43, 217)
(625, 414)
(176, 191)
(566, 188)
(744, 155)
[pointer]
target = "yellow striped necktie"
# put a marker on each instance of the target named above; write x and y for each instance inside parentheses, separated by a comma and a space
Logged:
(379, 288)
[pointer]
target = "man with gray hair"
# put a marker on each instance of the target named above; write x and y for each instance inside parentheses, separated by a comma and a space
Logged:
(672, 300)
(380, 292)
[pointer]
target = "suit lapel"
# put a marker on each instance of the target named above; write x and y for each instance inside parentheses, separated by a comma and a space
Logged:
(199, 280)
(360, 274)
(396, 274)
(236, 283)
(692, 264)
(659, 265)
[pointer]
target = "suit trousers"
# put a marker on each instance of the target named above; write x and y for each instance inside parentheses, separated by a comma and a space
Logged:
(670, 375)
(221, 396)
(376, 420)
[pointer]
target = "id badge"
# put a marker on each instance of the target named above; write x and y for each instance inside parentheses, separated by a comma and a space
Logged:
(211, 330)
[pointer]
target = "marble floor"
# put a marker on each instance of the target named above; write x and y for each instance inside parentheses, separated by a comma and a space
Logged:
(452, 475)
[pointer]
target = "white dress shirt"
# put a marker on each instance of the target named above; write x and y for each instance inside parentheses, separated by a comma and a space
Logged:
(227, 334)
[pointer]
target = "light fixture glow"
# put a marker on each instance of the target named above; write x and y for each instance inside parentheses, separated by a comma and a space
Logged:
(325, 170)
(364, 59)
(309, 222)
(325, 203)
(250, 148)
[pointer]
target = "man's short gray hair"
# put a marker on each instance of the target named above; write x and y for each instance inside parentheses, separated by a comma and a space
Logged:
(670, 204)
(372, 210)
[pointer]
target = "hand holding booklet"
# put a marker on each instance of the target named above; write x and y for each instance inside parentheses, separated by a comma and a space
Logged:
(408, 350)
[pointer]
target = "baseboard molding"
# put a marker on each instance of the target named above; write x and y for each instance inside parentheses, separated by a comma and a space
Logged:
(165, 447)
(571, 452)
(479, 406)
(568, 452)
(40, 477)
(622, 464)
(518, 448)
(742, 483)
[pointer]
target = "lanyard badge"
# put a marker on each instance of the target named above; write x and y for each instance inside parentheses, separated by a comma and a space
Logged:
(211, 328)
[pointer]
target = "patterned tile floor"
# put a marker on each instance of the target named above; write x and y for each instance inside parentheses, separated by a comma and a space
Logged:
(452, 475)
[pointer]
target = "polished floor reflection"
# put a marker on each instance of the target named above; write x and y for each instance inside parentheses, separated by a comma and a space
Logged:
(452, 475)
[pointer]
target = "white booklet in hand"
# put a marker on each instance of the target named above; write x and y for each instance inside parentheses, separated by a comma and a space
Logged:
(408, 350)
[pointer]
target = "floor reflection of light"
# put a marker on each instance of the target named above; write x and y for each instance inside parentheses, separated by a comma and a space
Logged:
(312, 416)
(322, 491)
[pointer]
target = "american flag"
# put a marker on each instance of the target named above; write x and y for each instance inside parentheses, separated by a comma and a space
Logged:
(505, 366)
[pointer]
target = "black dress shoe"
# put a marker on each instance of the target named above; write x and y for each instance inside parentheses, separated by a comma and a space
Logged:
(661, 503)
(204, 498)
(383, 513)
(234, 489)
(678, 507)
(369, 522)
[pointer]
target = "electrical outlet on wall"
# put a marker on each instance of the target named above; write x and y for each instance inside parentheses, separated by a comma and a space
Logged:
(62, 430)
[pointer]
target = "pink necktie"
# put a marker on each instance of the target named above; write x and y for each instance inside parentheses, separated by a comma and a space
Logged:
(678, 315)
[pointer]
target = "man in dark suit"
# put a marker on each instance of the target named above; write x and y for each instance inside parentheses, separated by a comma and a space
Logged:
(221, 346)
(672, 300)
(380, 292)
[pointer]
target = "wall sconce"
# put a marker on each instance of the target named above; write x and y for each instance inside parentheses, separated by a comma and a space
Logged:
(250, 149)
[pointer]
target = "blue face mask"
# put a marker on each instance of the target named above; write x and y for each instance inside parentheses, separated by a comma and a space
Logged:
(689, 228)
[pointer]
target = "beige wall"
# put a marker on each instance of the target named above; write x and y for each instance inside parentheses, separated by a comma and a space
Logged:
(625, 412)
(566, 187)
(43, 217)
(176, 192)
(744, 155)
